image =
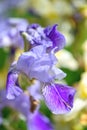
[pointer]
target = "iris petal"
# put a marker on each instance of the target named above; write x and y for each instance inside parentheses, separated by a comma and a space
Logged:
(12, 87)
(38, 64)
(56, 37)
(59, 98)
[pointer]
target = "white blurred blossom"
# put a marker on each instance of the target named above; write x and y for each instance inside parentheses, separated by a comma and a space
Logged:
(66, 60)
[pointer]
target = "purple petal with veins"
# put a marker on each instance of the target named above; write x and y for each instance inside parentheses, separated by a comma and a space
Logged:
(59, 98)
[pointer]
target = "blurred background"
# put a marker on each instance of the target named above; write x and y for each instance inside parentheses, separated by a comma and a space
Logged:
(71, 17)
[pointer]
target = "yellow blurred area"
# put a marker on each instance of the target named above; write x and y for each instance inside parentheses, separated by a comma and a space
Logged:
(82, 86)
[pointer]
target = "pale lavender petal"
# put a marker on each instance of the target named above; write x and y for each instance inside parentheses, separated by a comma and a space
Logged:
(59, 98)
(37, 64)
(32, 67)
(55, 36)
(39, 50)
(12, 87)
(37, 121)
(57, 73)
(25, 62)
(41, 73)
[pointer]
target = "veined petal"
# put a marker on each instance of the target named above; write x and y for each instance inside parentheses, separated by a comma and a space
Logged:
(12, 87)
(59, 98)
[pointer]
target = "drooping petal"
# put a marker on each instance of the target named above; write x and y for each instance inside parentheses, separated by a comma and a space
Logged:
(59, 98)
(55, 36)
(37, 121)
(12, 87)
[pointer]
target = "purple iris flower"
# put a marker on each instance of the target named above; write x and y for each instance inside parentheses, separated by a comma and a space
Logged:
(39, 63)
(49, 36)
(59, 98)
(10, 32)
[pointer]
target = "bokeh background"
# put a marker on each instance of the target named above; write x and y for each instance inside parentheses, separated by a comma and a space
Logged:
(71, 17)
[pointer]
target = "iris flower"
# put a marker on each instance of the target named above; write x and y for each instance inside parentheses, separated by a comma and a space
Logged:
(39, 63)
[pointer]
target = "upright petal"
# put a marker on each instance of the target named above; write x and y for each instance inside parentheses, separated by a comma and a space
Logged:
(59, 98)
(55, 36)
